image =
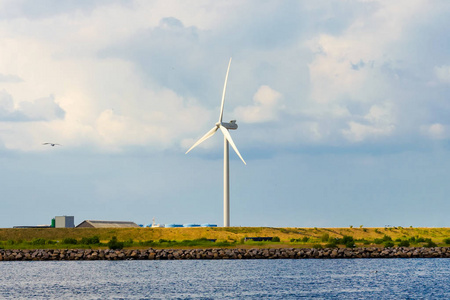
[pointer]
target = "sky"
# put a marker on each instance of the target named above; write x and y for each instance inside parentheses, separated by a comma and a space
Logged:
(343, 111)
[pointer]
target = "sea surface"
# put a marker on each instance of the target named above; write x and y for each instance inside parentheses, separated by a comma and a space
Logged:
(228, 279)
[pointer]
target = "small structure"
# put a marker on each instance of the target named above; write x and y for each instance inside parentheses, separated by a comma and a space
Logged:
(258, 239)
(106, 224)
(191, 225)
(208, 225)
(64, 222)
(33, 226)
(154, 225)
(174, 225)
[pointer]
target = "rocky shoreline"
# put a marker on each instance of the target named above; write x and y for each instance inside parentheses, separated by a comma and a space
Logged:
(178, 254)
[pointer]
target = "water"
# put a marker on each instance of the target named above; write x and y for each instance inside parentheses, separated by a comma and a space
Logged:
(228, 279)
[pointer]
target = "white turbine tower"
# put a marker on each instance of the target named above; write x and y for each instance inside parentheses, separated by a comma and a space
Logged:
(224, 127)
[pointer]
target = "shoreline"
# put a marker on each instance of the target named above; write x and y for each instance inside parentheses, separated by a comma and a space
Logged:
(221, 253)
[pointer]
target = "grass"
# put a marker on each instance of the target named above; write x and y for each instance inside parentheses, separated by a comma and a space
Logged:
(33, 238)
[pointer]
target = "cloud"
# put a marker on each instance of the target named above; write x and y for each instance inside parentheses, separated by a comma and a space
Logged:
(443, 73)
(435, 131)
(43, 109)
(6, 105)
(378, 122)
(10, 78)
(126, 74)
(267, 106)
(48, 8)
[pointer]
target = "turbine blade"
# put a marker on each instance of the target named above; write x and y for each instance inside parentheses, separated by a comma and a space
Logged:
(223, 94)
(230, 140)
(203, 138)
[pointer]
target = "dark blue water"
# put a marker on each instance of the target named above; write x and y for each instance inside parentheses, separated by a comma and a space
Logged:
(228, 279)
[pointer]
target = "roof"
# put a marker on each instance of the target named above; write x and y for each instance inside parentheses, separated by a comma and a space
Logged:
(106, 224)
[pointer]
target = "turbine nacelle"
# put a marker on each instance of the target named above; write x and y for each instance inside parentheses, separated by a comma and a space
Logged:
(232, 125)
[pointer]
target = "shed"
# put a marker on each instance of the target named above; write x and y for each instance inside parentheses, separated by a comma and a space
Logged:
(258, 239)
(106, 224)
(64, 222)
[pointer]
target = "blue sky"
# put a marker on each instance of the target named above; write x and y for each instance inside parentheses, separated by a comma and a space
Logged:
(343, 111)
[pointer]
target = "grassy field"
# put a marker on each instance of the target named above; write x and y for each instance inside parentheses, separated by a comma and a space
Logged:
(226, 237)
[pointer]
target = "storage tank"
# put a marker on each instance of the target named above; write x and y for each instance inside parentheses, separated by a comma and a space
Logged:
(173, 225)
(191, 225)
(209, 225)
(53, 223)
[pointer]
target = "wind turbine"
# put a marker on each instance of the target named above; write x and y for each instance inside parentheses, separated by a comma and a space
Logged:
(224, 127)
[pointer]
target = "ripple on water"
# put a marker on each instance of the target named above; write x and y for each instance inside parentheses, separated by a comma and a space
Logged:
(232, 279)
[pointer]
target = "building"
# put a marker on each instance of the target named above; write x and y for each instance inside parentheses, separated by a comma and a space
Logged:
(64, 222)
(106, 224)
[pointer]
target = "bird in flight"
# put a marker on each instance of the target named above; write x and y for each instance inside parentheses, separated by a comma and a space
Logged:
(51, 144)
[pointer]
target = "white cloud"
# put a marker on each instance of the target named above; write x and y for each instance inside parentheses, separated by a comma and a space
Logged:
(106, 102)
(331, 83)
(435, 131)
(443, 73)
(43, 109)
(378, 122)
(267, 107)
(10, 78)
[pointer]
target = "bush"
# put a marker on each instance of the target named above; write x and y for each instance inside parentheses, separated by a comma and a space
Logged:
(447, 241)
(404, 243)
(346, 239)
(69, 241)
(350, 244)
(38, 242)
(378, 241)
(430, 244)
(331, 245)
(223, 244)
(305, 239)
(388, 244)
(325, 237)
(90, 241)
(420, 240)
(387, 238)
(146, 243)
(275, 239)
(114, 244)
(128, 243)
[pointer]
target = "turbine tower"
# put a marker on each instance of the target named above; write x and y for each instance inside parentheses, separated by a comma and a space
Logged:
(224, 127)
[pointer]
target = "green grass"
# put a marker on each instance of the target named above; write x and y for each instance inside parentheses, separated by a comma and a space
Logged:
(35, 238)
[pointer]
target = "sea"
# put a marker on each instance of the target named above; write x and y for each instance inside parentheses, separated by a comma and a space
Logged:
(228, 279)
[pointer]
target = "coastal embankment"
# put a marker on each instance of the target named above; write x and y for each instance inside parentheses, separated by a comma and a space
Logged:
(218, 253)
